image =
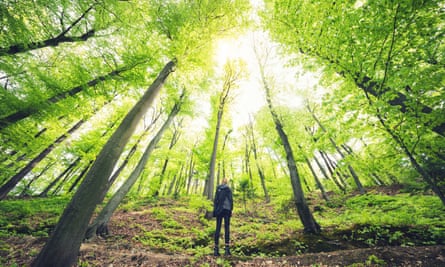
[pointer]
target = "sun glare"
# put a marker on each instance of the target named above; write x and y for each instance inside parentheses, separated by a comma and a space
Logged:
(250, 96)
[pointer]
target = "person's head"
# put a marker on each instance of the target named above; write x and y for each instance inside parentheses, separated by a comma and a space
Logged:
(225, 180)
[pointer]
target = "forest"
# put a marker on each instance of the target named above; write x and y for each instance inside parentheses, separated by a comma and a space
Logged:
(119, 119)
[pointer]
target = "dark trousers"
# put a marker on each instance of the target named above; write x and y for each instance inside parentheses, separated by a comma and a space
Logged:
(226, 215)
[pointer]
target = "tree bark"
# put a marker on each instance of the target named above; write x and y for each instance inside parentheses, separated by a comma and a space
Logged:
(70, 230)
(308, 221)
(306, 217)
(211, 174)
(99, 226)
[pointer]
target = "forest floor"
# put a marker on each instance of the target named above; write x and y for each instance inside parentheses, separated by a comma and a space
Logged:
(138, 238)
(107, 252)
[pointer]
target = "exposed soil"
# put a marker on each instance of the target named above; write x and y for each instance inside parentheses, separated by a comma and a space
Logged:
(101, 252)
(121, 248)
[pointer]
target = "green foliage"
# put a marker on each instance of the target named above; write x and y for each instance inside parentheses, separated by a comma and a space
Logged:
(30, 217)
(375, 261)
(179, 226)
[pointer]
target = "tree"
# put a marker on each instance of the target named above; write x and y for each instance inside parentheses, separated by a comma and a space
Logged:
(8, 186)
(69, 232)
(306, 217)
(256, 157)
(233, 72)
(389, 51)
(99, 226)
(334, 144)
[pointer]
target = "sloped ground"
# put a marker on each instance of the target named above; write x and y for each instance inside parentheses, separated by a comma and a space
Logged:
(170, 233)
(121, 251)
(123, 248)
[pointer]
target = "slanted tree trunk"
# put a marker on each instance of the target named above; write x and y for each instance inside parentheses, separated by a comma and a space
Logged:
(34, 178)
(172, 184)
(99, 226)
(308, 221)
(314, 174)
(173, 141)
(306, 217)
(60, 38)
(425, 175)
(326, 176)
(334, 144)
(90, 162)
(130, 154)
(70, 230)
(180, 181)
(81, 175)
(28, 111)
(331, 165)
(317, 180)
(8, 186)
(45, 191)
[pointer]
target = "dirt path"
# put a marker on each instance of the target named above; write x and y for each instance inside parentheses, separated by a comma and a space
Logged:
(101, 252)
(430, 256)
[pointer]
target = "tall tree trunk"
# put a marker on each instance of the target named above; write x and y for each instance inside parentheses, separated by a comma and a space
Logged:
(70, 230)
(173, 141)
(317, 180)
(211, 174)
(90, 162)
(172, 184)
(306, 217)
(308, 221)
(190, 173)
(226, 137)
(130, 154)
(231, 77)
(8, 186)
(257, 162)
(334, 144)
(180, 181)
(99, 226)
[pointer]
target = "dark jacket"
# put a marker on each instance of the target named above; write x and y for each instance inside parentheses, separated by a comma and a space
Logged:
(223, 200)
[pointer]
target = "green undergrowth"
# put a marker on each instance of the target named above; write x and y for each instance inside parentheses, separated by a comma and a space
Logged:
(33, 216)
(180, 225)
